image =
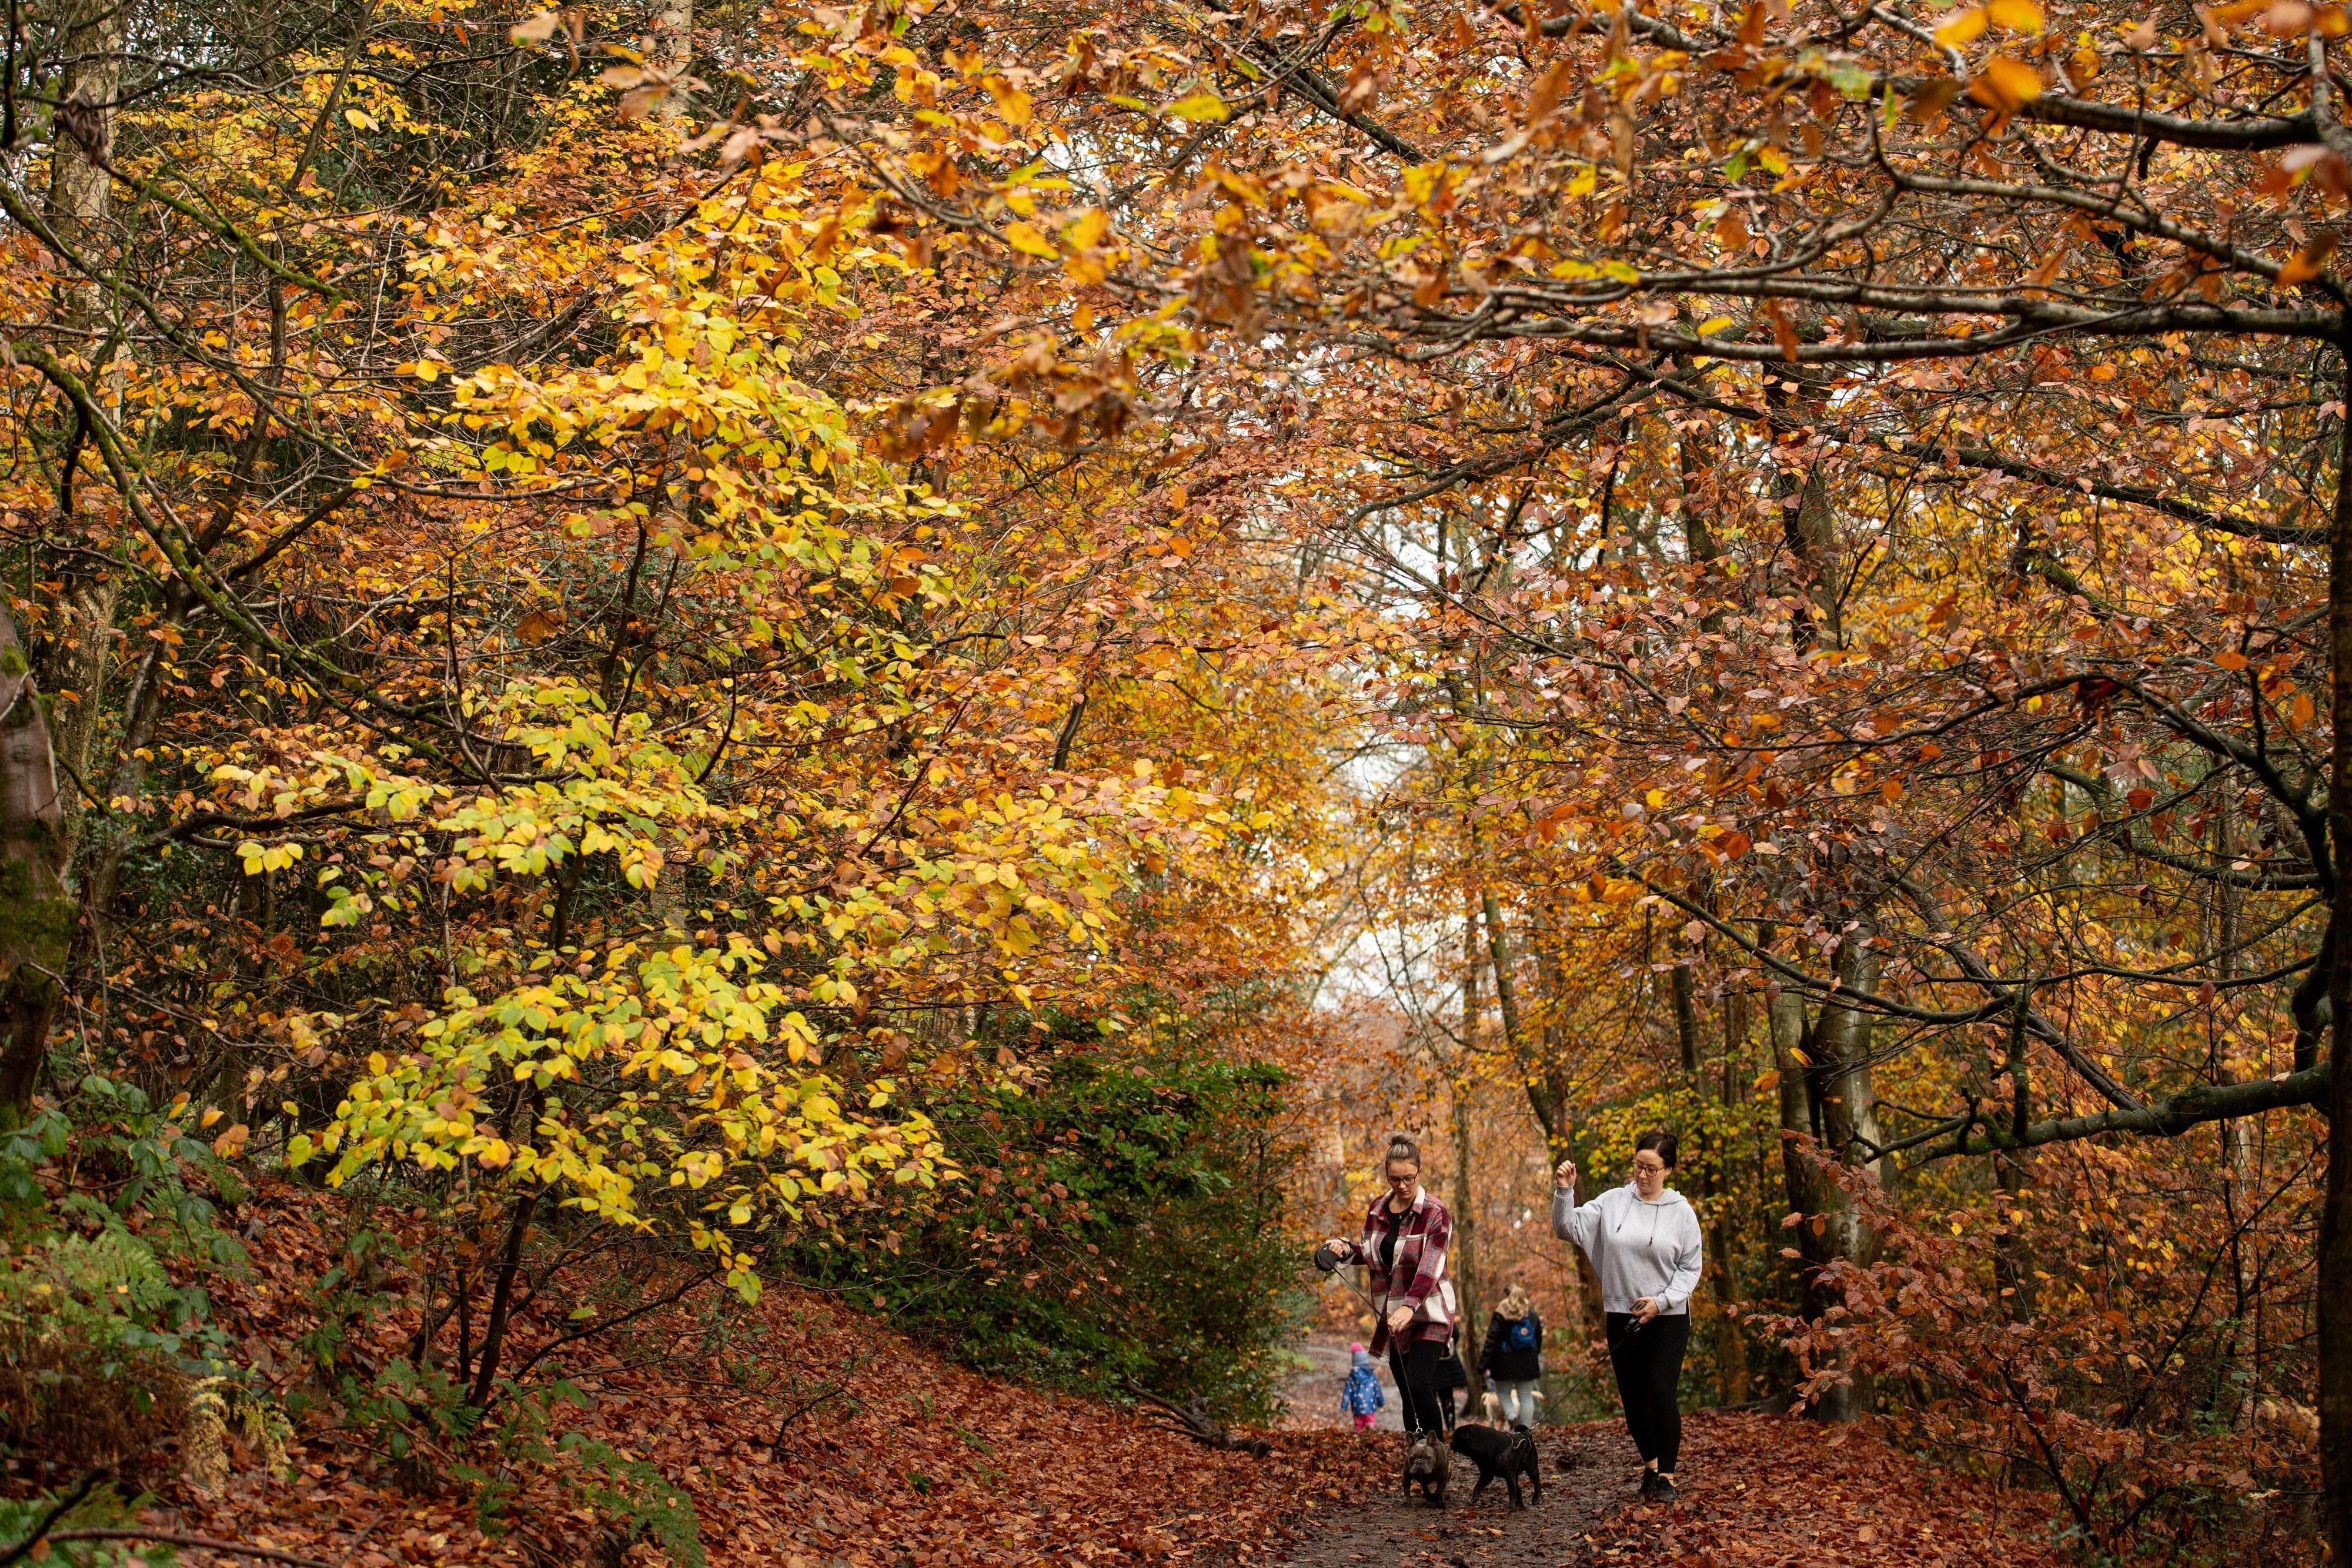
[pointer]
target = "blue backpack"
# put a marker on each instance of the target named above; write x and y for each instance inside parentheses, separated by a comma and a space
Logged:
(1521, 1334)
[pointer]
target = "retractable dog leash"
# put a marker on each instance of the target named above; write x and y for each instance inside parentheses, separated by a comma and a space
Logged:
(1329, 1262)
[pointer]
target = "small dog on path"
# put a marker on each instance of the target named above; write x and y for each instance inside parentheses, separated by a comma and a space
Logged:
(1427, 1465)
(1499, 1450)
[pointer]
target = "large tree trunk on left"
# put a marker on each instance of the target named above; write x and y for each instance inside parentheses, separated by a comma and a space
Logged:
(81, 203)
(36, 914)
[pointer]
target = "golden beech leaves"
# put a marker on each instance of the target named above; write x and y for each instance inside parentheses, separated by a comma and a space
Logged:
(658, 644)
(655, 1093)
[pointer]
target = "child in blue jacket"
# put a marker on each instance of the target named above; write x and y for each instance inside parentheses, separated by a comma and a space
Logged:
(1361, 1395)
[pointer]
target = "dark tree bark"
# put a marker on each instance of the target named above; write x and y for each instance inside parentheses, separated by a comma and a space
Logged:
(37, 913)
(2334, 1273)
(494, 1330)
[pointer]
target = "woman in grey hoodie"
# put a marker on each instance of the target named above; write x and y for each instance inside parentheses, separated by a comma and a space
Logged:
(1643, 1241)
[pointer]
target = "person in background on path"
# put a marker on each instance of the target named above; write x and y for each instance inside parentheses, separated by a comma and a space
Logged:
(1406, 1233)
(1512, 1358)
(1360, 1396)
(1644, 1243)
(1451, 1375)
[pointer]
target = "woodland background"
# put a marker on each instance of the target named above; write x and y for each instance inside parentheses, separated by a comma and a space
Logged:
(674, 675)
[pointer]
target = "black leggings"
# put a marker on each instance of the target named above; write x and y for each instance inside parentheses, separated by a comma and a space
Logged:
(1414, 1367)
(1649, 1367)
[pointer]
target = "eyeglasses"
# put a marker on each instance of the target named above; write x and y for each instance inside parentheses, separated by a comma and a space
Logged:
(1411, 1180)
(1649, 1168)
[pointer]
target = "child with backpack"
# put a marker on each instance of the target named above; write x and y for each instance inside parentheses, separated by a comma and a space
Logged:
(1361, 1396)
(1513, 1357)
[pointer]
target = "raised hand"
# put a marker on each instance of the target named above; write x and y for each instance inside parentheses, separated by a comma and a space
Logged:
(1563, 1175)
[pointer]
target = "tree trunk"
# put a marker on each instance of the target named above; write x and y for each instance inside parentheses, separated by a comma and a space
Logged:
(1791, 1048)
(1464, 1259)
(81, 190)
(81, 200)
(1836, 1231)
(2012, 1259)
(1685, 1016)
(2334, 1285)
(494, 1328)
(1722, 1232)
(1506, 990)
(37, 913)
(1463, 1263)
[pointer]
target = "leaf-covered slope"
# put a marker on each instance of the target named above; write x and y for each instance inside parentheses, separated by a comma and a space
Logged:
(889, 1454)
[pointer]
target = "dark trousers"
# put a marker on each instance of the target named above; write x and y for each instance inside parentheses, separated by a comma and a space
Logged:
(1648, 1362)
(1414, 1367)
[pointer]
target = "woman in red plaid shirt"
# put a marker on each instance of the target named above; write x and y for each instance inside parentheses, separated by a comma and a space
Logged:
(1406, 1232)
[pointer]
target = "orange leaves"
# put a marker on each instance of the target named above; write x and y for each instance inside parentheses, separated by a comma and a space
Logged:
(2323, 168)
(2307, 263)
(2006, 84)
(1958, 29)
(1544, 93)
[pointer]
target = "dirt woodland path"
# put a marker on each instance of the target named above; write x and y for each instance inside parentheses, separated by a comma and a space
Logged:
(1866, 1505)
(1392, 1530)
(1388, 1528)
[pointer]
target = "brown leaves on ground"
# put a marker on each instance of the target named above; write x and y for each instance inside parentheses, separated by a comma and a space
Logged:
(901, 1459)
(1864, 1503)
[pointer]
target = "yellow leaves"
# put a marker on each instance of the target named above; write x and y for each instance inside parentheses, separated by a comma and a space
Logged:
(259, 858)
(2015, 15)
(1012, 103)
(1958, 29)
(660, 1050)
(1024, 238)
(359, 119)
(1199, 107)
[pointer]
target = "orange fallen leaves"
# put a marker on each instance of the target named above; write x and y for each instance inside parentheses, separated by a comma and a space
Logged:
(914, 1461)
(1863, 1502)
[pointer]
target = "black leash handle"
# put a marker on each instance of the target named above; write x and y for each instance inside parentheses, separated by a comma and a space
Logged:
(1329, 1262)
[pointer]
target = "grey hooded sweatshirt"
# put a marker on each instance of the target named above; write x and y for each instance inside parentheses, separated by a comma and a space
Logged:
(1638, 1249)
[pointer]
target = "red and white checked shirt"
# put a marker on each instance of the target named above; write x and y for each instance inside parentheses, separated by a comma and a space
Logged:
(1416, 1278)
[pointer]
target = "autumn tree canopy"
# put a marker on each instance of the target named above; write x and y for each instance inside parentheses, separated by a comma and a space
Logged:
(717, 637)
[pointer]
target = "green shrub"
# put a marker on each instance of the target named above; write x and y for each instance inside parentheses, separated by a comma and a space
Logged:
(1120, 1230)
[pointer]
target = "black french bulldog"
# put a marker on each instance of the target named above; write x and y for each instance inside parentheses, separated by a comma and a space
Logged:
(1506, 1451)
